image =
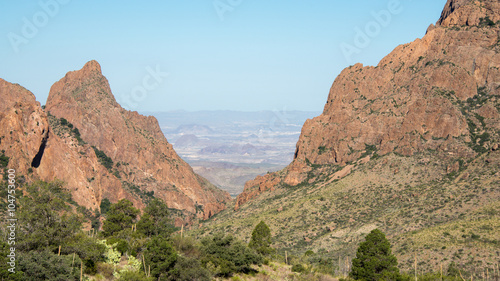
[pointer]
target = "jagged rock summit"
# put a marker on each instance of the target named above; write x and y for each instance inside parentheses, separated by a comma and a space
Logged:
(85, 138)
(468, 12)
(439, 93)
(143, 158)
(38, 149)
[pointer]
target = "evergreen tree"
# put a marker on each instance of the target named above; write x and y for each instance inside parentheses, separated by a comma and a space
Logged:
(189, 269)
(120, 216)
(226, 255)
(156, 220)
(46, 265)
(374, 260)
(45, 218)
(261, 239)
(161, 256)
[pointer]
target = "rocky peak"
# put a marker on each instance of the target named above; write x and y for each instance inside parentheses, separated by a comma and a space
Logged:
(423, 96)
(92, 66)
(14, 93)
(41, 150)
(85, 87)
(143, 159)
(469, 12)
(450, 7)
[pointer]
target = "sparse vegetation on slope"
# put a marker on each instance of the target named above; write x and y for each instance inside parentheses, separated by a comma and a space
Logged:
(403, 196)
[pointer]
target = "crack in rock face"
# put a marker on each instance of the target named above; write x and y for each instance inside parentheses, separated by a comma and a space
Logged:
(38, 157)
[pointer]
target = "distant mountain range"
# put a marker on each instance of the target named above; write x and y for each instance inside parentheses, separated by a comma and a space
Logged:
(253, 143)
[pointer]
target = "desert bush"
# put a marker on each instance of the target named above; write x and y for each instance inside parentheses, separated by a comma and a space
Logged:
(225, 255)
(46, 265)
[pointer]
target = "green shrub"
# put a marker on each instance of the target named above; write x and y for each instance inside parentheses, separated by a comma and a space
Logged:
(189, 269)
(120, 216)
(298, 268)
(4, 160)
(156, 220)
(85, 247)
(45, 219)
(486, 21)
(64, 122)
(225, 255)
(48, 266)
(134, 276)
(106, 161)
(120, 245)
(105, 205)
(161, 256)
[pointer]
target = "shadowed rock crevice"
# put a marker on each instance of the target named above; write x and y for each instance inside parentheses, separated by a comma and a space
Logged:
(38, 157)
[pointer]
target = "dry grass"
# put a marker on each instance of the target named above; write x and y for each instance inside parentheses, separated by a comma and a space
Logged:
(409, 198)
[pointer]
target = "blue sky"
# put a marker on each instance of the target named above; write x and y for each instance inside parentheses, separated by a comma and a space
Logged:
(205, 54)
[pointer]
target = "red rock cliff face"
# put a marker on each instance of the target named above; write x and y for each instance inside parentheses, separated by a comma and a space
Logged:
(36, 152)
(411, 101)
(143, 159)
(24, 125)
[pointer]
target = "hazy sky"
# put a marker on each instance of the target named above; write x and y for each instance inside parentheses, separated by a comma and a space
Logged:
(205, 54)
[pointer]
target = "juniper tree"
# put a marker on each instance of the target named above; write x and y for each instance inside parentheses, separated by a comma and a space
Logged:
(156, 220)
(374, 260)
(120, 216)
(261, 239)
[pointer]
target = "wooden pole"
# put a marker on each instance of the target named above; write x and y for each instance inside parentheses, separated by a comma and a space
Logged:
(73, 260)
(416, 267)
(182, 230)
(59, 253)
(441, 272)
(286, 258)
(346, 266)
(81, 270)
(340, 267)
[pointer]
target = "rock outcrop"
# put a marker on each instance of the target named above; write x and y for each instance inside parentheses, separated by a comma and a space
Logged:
(36, 152)
(142, 158)
(432, 94)
(24, 126)
(469, 13)
(100, 150)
